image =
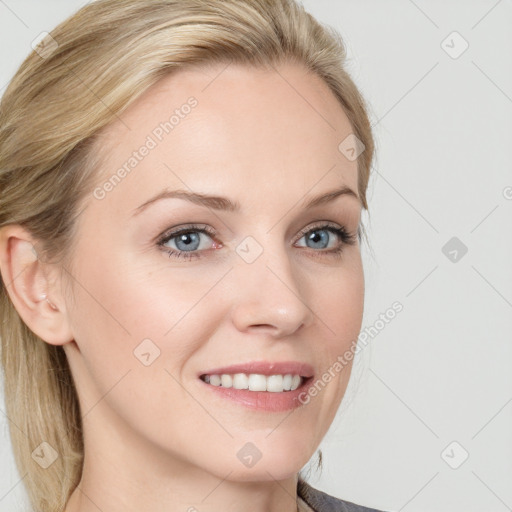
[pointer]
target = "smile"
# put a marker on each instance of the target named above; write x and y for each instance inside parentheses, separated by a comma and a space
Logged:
(255, 381)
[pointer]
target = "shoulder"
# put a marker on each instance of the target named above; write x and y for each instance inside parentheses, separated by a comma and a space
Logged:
(321, 502)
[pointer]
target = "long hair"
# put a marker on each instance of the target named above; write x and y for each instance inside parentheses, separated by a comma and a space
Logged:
(84, 74)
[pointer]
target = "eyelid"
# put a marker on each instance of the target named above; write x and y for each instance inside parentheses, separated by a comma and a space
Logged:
(318, 224)
(177, 230)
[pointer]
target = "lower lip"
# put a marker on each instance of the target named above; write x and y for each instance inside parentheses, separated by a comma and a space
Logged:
(264, 400)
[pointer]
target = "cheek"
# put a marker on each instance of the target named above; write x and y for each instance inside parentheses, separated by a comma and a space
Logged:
(339, 301)
(126, 315)
(338, 305)
(132, 301)
(135, 333)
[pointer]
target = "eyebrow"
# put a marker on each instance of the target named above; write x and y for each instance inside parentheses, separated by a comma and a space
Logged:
(225, 204)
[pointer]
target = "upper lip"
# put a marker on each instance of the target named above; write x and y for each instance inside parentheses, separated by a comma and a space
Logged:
(264, 368)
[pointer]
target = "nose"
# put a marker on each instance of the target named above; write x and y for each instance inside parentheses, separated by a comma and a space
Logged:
(268, 297)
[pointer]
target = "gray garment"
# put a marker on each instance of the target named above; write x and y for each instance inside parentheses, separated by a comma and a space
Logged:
(321, 502)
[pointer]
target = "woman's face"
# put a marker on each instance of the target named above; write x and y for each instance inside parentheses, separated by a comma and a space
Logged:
(264, 282)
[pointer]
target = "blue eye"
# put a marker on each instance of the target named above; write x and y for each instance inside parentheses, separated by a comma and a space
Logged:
(320, 237)
(187, 241)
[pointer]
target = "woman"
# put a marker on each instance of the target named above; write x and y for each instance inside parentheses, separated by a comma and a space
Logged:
(182, 183)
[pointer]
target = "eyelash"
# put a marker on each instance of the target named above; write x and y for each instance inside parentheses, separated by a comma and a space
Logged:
(345, 237)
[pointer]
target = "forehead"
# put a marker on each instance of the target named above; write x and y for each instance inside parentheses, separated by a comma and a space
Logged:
(230, 127)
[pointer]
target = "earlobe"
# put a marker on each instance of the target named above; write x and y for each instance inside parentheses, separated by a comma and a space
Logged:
(32, 286)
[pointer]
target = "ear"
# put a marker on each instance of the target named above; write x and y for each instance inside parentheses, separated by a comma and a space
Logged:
(33, 286)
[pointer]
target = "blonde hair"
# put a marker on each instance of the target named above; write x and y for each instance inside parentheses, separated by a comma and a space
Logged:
(95, 64)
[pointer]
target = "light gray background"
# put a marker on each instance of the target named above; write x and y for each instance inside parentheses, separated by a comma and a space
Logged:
(441, 370)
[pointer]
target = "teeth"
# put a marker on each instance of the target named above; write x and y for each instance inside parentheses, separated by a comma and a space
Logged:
(295, 382)
(215, 380)
(241, 381)
(275, 383)
(226, 381)
(256, 382)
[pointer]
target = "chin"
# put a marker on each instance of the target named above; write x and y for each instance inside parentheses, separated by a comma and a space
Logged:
(263, 460)
(268, 472)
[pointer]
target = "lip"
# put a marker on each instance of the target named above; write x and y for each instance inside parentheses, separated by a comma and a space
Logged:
(263, 400)
(264, 368)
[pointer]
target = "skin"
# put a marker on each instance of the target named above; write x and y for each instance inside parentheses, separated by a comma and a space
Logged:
(154, 439)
